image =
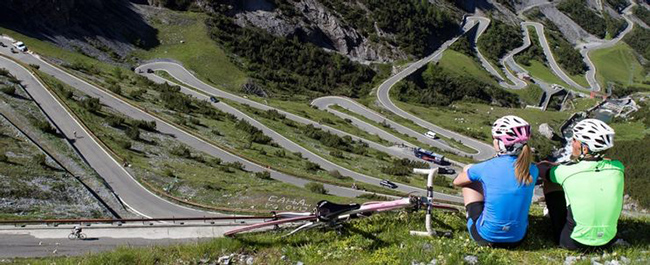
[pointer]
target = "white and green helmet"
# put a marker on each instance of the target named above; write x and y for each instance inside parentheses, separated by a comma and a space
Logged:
(597, 135)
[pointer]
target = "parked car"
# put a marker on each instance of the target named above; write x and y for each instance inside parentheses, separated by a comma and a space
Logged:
(20, 46)
(214, 99)
(430, 134)
(388, 184)
(446, 170)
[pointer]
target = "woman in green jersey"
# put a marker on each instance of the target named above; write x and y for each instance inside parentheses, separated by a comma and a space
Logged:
(584, 197)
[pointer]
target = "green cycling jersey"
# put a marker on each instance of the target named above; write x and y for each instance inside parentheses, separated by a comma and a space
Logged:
(594, 190)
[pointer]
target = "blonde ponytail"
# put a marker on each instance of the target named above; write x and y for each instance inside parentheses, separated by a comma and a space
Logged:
(522, 166)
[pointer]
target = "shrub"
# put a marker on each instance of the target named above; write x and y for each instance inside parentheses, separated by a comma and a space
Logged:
(115, 88)
(125, 144)
(254, 134)
(44, 126)
(216, 132)
(133, 133)
(145, 125)
(35, 66)
(327, 121)
(280, 153)
(337, 175)
(181, 151)
(316, 188)
(114, 120)
(215, 161)
(403, 167)
(8, 89)
(91, 104)
(337, 153)
(263, 175)
(4, 158)
(39, 159)
(235, 165)
(311, 166)
(137, 93)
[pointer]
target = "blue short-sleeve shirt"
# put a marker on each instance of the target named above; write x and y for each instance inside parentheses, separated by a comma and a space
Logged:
(505, 213)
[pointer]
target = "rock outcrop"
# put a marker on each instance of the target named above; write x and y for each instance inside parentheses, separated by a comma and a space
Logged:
(315, 23)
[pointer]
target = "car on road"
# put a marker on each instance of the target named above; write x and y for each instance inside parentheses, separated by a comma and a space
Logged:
(2, 44)
(388, 184)
(446, 170)
(214, 99)
(149, 71)
(19, 45)
(430, 134)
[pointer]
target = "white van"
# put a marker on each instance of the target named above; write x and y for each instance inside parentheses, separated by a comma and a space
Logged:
(430, 134)
(20, 46)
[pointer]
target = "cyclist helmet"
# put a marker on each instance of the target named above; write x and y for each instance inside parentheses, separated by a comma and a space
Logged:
(597, 135)
(511, 130)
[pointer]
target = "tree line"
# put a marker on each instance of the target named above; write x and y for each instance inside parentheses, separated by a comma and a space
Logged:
(578, 11)
(499, 39)
(413, 23)
(437, 86)
(287, 65)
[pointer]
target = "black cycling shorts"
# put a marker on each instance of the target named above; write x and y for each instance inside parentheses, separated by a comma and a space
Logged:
(474, 211)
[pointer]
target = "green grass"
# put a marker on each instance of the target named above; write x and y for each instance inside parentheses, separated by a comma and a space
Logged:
(630, 130)
(619, 64)
(531, 94)
(539, 70)
(464, 65)
(580, 79)
(198, 53)
(379, 239)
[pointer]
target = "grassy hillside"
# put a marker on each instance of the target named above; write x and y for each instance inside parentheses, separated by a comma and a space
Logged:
(462, 64)
(619, 64)
(380, 239)
(184, 37)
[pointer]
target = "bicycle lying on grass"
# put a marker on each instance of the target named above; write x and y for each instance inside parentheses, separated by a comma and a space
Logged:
(331, 215)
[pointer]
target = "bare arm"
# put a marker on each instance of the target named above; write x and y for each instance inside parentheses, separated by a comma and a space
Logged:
(462, 179)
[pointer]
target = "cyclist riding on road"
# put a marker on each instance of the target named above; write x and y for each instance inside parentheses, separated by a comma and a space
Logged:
(498, 192)
(76, 230)
(585, 196)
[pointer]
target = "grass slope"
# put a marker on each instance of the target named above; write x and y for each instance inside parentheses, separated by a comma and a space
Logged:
(619, 64)
(184, 37)
(462, 64)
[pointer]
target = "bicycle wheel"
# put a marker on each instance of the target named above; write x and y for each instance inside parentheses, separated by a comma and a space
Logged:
(82, 236)
(72, 236)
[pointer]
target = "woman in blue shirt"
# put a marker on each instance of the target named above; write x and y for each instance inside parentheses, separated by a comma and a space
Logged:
(498, 192)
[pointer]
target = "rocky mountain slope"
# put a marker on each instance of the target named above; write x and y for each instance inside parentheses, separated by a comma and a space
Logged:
(107, 29)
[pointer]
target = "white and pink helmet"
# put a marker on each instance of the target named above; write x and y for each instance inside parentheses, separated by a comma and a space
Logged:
(510, 130)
